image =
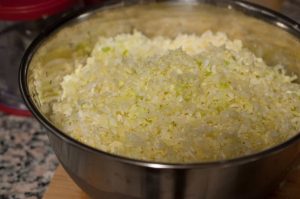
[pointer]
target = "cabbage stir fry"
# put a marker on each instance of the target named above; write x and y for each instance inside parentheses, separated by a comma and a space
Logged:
(187, 99)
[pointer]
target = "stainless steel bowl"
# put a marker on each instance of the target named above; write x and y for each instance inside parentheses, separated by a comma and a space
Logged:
(104, 175)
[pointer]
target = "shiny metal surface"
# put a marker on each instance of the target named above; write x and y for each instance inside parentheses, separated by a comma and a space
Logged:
(108, 176)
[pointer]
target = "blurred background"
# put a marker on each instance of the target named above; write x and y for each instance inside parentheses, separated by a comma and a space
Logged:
(27, 162)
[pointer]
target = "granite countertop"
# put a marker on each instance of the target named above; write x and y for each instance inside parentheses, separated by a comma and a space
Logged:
(27, 162)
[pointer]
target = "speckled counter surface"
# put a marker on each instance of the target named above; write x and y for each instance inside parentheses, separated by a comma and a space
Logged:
(27, 162)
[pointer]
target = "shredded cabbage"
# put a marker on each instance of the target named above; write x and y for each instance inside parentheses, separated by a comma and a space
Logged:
(188, 99)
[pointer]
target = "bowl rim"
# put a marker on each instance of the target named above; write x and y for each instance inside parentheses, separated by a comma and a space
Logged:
(247, 8)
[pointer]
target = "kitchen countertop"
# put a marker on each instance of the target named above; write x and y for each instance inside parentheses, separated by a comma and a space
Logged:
(27, 162)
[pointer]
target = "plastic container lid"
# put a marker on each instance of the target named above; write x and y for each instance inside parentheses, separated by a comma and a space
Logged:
(32, 9)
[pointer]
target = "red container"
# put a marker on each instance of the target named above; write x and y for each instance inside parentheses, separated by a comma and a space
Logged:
(32, 9)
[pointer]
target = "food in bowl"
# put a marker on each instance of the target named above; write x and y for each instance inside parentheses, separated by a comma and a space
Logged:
(187, 99)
